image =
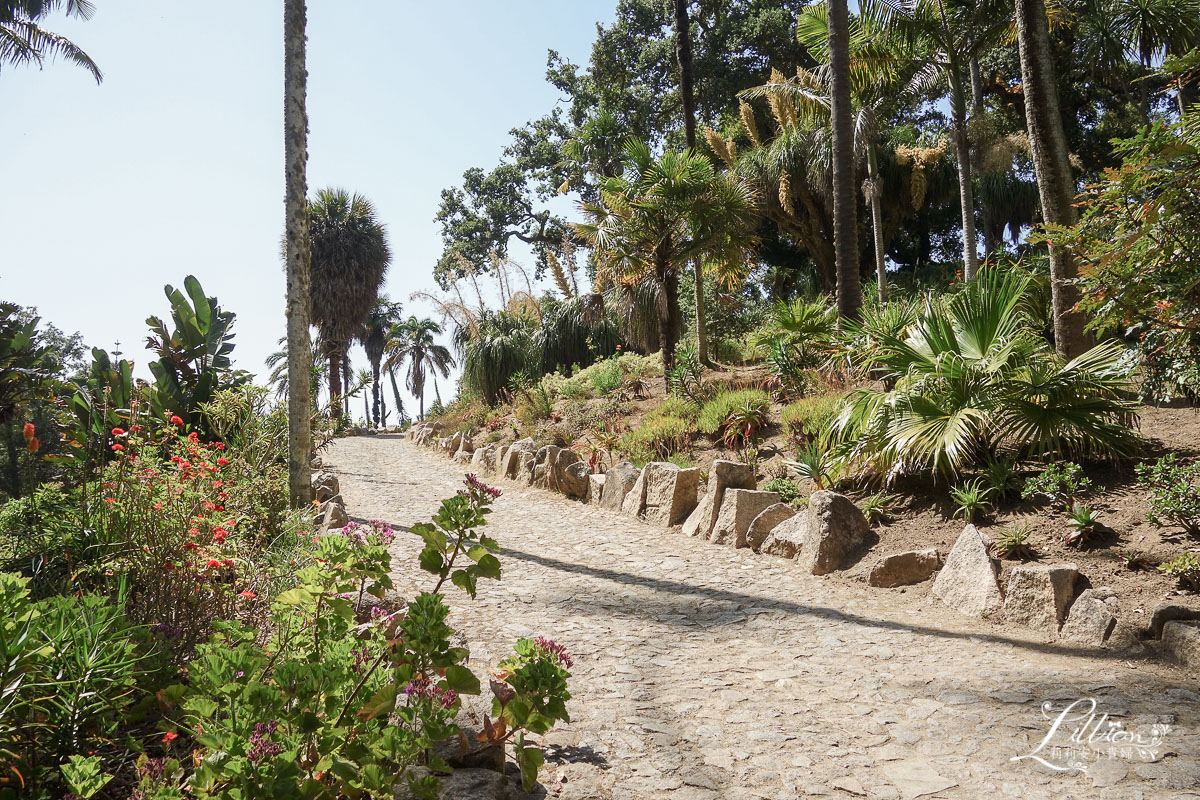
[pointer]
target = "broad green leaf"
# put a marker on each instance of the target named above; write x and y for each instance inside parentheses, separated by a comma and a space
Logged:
(462, 680)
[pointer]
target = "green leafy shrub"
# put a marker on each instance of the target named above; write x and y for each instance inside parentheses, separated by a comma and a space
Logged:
(1186, 568)
(1000, 475)
(745, 422)
(656, 437)
(714, 412)
(971, 499)
(606, 376)
(1059, 483)
(817, 464)
(1174, 495)
(810, 418)
(687, 377)
(878, 507)
(786, 488)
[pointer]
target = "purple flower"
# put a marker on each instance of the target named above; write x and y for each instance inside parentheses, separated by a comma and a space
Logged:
(472, 482)
(554, 650)
(261, 745)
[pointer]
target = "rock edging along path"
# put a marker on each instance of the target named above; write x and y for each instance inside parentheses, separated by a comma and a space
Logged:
(705, 672)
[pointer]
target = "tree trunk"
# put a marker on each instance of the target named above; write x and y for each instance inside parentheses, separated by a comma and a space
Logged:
(875, 189)
(396, 395)
(992, 238)
(299, 350)
(335, 382)
(683, 57)
(845, 212)
(375, 390)
(1056, 186)
(966, 193)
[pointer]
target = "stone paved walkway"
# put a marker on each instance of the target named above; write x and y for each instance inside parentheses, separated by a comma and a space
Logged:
(704, 672)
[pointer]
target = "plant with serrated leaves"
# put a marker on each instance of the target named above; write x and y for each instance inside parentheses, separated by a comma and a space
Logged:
(878, 507)
(1085, 523)
(817, 463)
(1174, 493)
(971, 500)
(1014, 542)
(1059, 483)
(454, 535)
(1002, 477)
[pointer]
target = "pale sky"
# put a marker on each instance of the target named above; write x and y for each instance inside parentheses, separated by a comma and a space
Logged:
(174, 164)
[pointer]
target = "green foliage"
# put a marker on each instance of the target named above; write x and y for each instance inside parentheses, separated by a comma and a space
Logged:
(657, 437)
(1174, 493)
(1059, 483)
(1140, 238)
(972, 376)
(817, 463)
(714, 413)
(786, 488)
(1000, 475)
(745, 422)
(606, 377)
(23, 368)
(193, 356)
(1186, 568)
(878, 507)
(811, 418)
(1085, 523)
(971, 499)
(454, 534)
(1014, 543)
(686, 380)
(797, 339)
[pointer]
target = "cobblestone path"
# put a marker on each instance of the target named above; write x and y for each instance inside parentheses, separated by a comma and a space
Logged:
(703, 672)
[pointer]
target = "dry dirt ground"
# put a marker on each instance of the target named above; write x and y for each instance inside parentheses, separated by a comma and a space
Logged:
(703, 672)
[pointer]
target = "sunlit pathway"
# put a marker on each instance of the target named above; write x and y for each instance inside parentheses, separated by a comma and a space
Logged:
(706, 672)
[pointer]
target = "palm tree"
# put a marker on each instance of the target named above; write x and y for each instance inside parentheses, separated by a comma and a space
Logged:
(1056, 185)
(683, 57)
(845, 218)
(415, 344)
(1153, 29)
(24, 41)
(657, 215)
(278, 378)
(374, 337)
(939, 38)
(350, 257)
(297, 254)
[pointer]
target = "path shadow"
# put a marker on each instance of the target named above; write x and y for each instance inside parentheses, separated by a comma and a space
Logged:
(650, 608)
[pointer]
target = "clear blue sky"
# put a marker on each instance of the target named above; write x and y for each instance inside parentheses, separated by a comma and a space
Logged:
(174, 164)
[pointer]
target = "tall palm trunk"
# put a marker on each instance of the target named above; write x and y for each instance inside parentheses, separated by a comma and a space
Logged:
(683, 56)
(396, 395)
(376, 389)
(299, 352)
(335, 381)
(966, 192)
(874, 189)
(845, 213)
(1056, 186)
(992, 235)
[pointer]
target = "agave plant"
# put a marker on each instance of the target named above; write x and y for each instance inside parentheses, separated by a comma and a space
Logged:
(1014, 543)
(744, 422)
(972, 376)
(815, 462)
(1085, 523)
(971, 500)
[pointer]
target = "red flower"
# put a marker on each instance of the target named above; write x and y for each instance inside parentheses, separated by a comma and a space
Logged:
(29, 431)
(222, 461)
(110, 499)
(177, 421)
(212, 563)
(248, 595)
(219, 445)
(118, 431)
(193, 437)
(135, 428)
(118, 447)
(219, 535)
(169, 737)
(34, 444)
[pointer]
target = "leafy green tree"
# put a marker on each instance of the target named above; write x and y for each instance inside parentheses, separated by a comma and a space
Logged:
(658, 214)
(24, 41)
(350, 257)
(413, 342)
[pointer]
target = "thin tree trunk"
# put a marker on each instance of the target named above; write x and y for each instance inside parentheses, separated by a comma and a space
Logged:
(375, 389)
(875, 189)
(299, 349)
(990, 238)
(683, 57)
(1056, 185)
(966, 193)
(335, 382)
(396, 395)
(845, 212)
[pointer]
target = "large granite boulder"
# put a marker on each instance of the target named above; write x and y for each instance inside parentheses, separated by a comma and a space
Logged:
(786, 538)
(740, 508)
(967, 582)
(514, 457)
(670, 493)
(835, 530)
(525, 473)
(904, 569)
(1170, 612)
(1037, 595)
(484, 460)
(618, 482)
(765, 523)
(1092, 618)
(331, 514)
(635, 501)
(595, 488)
(723, 475)
(568, 474)
(1181, 643)
(544, 461)
(324, 486)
